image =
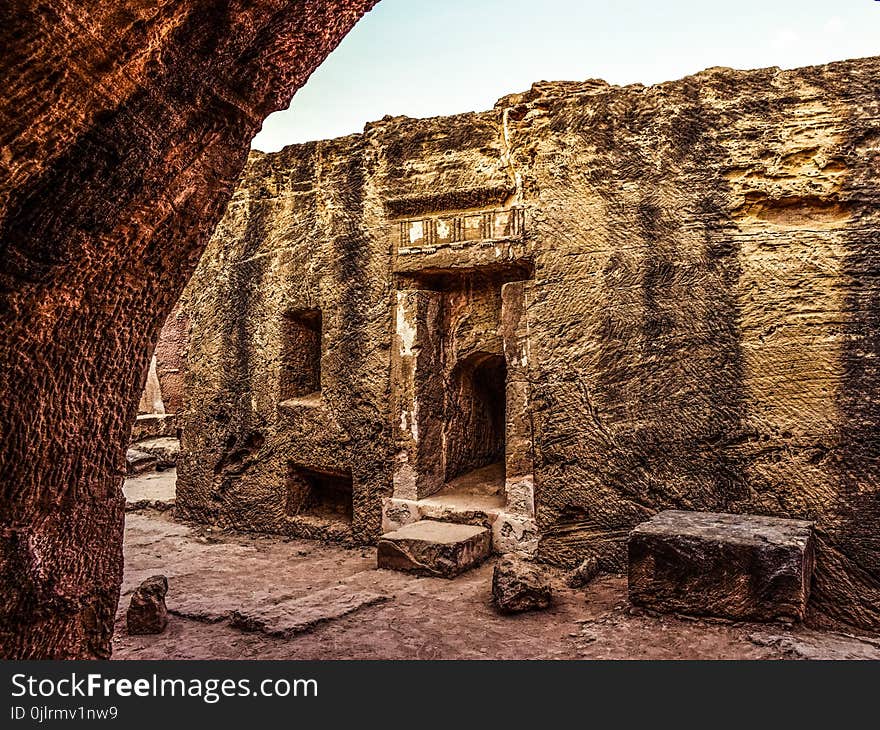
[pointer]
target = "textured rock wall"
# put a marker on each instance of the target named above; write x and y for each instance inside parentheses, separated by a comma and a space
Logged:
(722, 233)
(123, 128)
(697, 327)
(298, 242)
(171, 353)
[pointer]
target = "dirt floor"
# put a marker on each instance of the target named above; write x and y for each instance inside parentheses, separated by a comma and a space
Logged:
(242, 596)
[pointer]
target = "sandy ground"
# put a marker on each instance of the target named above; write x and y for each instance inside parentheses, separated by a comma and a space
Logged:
(241, 596)
(156, 486)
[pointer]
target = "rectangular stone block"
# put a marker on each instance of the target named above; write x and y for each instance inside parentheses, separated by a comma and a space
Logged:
(740, 567)
(437, 549)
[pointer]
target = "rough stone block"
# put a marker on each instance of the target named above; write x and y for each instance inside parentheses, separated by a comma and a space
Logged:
(166, 449)
(583, 573)
(513, 534)
(518, 586)
(137, 462)
(147, 613)
(741, 567)
(439, 549)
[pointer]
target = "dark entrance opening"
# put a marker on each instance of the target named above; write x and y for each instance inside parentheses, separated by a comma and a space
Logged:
(475, 426)
(316, 493)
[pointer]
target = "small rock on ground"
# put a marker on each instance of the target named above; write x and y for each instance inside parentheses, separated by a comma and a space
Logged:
(518, 586)
(583, 574)
(147, 613)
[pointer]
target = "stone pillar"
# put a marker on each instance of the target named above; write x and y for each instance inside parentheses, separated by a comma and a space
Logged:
(171, 359)
(417, 395)
(514, 529)
(518, 450)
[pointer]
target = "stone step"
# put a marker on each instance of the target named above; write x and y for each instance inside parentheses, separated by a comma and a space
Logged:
(740, 567)
(432, 548)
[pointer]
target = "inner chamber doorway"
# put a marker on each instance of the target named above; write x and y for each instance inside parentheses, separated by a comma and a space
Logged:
(475, 416)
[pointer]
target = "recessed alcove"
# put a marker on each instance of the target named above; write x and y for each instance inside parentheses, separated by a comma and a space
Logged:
(319, 493)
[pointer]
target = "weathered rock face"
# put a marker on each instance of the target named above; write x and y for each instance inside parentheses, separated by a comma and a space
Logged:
(518, 586)
(741, 567)
(677, 280)
(147, 612)
(170, 357)
(124, 127)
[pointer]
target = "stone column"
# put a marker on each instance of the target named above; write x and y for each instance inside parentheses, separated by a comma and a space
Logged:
(151, 398)
(514, 528)
(518, 450)
(417, 393)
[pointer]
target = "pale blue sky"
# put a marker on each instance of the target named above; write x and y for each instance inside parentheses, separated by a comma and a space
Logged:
(426, 58)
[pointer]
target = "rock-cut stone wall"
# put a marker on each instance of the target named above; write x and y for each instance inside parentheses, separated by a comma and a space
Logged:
(690, 315)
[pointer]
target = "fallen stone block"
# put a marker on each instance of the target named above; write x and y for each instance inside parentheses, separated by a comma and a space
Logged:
(431, 548)
(584, 573)
(739, 567)
(147, 613)
(137, 462)
(518, 586)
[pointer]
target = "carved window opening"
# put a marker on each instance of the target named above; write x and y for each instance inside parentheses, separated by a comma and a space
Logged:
(300, 354)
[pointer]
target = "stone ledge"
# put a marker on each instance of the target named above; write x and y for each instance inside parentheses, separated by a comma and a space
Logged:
(154, 425)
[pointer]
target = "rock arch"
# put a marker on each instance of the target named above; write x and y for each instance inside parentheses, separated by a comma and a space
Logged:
(123, 128)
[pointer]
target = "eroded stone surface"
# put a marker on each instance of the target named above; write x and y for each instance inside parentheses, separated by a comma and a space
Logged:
(422, 619)
(154, 425)
(124, 128)
(285, 618)
(439, 549)
(743, 567)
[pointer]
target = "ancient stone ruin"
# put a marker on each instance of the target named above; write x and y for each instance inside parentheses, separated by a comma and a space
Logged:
(552, 320)
(604, 329)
